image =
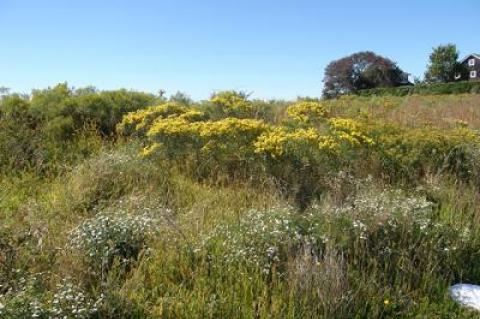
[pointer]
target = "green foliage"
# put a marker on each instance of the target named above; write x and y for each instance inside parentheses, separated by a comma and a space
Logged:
(237, 147)
(36, 129)
(107, 238)
(87, 106)
(19, 134)
(67, 301)
(202, 225)
(412, 153)
(181, 98)
(106, 176)
(301, 152)
(443, 65)
(427, 88)
(379, 254)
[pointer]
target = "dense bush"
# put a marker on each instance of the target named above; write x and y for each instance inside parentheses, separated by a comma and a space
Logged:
(20, 135)
(188, 137)
(427, 88)
(81, 107)
(259, 239)
(308, 112)
(36, 129)
(105, 239)
(301, 152)
(416, 152)
(67, 301)
(230, 104)
(106, 176)
(297, 154)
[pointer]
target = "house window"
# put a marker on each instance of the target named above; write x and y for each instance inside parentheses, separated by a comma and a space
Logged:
(471, 62)
(473, 74)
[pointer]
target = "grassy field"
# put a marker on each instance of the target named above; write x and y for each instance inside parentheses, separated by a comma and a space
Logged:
(232, 208)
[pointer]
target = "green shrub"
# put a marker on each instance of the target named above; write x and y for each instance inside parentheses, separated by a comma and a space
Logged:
(29, 300)
(103, 109)
(259, 240)
(107, 238)
(106, 176)
(427, 88)
(413, 153)
(230, 104)
(35, 130)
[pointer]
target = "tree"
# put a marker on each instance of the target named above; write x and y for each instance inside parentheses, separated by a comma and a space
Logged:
(359, 71)
(444, 65)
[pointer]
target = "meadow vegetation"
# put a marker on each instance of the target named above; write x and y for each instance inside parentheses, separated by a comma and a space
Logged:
(124, 204)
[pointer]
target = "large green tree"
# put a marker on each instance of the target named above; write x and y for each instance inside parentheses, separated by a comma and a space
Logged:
(359, 71)
(443, 65)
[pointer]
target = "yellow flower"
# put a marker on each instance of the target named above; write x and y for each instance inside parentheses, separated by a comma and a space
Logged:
(350, 131)
(306, 111)
(141, 120)
(232, 101)
(280, 141)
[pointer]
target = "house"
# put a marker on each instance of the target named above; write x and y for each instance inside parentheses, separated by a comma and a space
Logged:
(472, 64)
(406, 79)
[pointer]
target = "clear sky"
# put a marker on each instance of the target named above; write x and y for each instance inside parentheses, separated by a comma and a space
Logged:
(272, 48)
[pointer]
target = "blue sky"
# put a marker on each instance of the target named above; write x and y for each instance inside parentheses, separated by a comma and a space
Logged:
(274, 49)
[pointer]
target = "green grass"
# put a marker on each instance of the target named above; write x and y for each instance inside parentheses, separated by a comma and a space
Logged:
(183, 277)
(366, 247)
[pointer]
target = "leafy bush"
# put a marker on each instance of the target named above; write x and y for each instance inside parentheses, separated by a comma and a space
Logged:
(260, 239)
(230, 104)
(106, 176)
(203, 146)
(107, 238)
(307, 112)
(20, 135)
(36, 129)
(140, 121)
(83, 107)
(412, 153)
(301, 159)
(431, 88)
(66, 301)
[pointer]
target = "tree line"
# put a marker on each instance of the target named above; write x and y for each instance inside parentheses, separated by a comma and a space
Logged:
(368, 70)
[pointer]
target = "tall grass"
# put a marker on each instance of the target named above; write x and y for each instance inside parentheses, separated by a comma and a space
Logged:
(139, 237)
(444, 111)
